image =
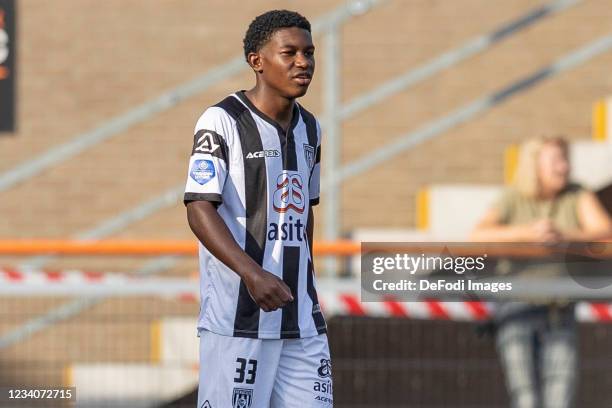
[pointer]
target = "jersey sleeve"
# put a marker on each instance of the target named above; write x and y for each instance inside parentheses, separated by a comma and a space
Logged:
(315, 175)
(209, 161)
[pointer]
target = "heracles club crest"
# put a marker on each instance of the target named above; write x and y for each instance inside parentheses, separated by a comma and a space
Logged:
(242, 398)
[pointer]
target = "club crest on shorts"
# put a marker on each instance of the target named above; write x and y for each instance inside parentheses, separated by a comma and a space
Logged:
(242, 398)
(325, 370)
(309, 154)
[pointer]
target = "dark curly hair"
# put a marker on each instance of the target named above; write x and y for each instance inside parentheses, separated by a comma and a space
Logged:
(262, 27)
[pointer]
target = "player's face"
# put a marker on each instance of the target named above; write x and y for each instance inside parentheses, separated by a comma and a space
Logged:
(287, 62)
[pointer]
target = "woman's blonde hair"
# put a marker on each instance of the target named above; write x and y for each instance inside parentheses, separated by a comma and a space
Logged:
(526, 176)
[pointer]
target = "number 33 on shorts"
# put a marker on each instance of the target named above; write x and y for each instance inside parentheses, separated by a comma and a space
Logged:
(264, 373)
(240, 371)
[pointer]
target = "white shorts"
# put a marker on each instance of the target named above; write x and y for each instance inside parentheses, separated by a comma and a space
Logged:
(256, 373)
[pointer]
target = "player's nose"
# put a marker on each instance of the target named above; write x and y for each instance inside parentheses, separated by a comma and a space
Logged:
(302, 61)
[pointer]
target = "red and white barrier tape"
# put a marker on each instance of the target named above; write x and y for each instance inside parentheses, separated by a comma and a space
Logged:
(349, 304)
(14, 282)
(333, 301)
(34, 277)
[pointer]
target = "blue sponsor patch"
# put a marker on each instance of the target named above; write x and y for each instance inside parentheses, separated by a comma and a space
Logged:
(202, 171)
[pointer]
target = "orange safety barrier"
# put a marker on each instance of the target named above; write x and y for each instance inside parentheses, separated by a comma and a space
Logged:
(335, 248)
(139, 247)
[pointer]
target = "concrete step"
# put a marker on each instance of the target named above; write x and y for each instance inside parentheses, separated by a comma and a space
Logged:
(174, 341)
(591, 163)
(452, 210)
(130, 385)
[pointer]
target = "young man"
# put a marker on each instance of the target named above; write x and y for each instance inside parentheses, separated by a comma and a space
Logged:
(253, 178)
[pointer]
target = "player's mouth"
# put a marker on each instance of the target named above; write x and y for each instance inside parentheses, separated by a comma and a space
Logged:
(303, 78)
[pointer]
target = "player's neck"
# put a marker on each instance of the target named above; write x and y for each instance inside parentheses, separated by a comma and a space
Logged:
(277, 107)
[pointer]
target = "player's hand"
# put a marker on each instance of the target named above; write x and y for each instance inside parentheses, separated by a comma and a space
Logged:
(267, 290)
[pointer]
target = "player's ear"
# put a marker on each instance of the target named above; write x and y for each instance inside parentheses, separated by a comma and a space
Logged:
(254, 60)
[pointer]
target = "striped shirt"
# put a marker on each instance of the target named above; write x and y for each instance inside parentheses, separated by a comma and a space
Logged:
(263, 180)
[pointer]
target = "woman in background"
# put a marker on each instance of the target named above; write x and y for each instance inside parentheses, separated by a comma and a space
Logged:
(537, 341)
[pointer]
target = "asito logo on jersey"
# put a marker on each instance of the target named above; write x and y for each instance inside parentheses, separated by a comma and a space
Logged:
(287, 231)
(288, 197)
(242, 398)
(289, 194)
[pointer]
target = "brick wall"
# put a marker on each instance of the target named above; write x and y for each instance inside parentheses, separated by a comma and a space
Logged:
(83, 62)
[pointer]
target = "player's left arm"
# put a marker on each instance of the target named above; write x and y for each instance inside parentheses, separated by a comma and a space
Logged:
(314, 187)
(310, 230)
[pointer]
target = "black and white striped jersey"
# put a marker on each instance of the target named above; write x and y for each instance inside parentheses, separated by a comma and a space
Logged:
(264, 180)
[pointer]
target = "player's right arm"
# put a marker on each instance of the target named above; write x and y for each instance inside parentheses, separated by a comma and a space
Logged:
(208, 168)
(266, 289)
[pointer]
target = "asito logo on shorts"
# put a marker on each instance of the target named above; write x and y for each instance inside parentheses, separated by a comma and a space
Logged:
(289, 194)
(242, 398)
(325, 370)
(324, 387)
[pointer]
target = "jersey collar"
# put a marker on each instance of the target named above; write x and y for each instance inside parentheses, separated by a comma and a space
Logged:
(294, 119)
